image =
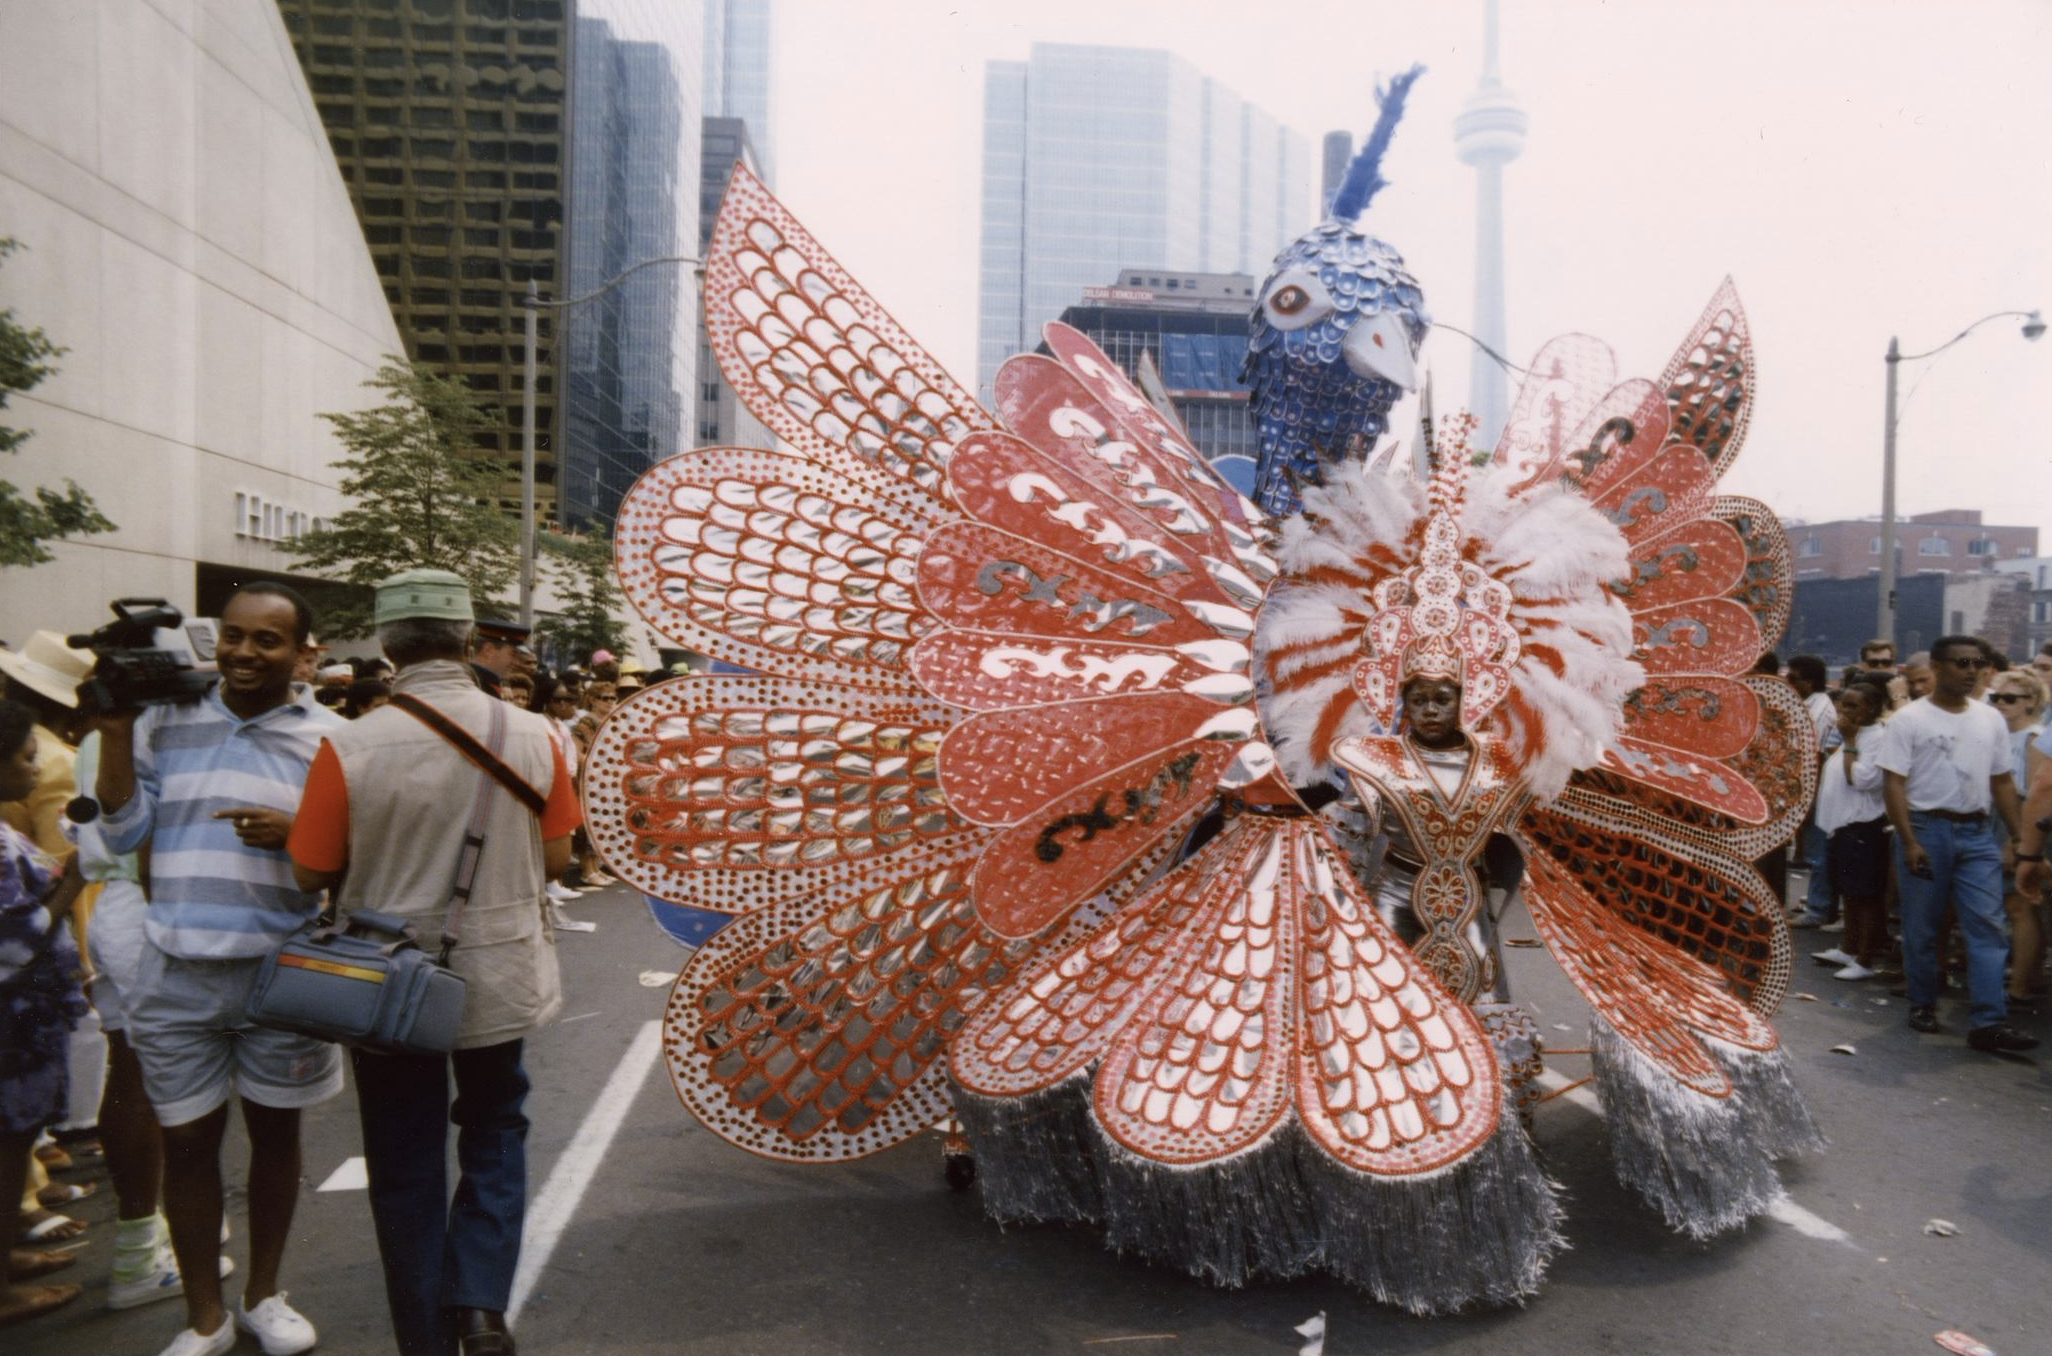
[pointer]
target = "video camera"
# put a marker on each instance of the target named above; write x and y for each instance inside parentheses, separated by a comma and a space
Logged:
(150, 655)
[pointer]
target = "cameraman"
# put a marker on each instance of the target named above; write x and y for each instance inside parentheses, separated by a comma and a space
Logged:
(212, 786)
(383, 822)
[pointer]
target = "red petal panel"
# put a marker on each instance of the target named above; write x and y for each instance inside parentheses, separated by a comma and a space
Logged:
(976, 578)
(1079, 843)
(983, 671)
(1769, 587)
(774, 563)
(1702, 559)
(1054, 1020)
(1176, 457)
(1709, 717)
(1569, 375)
(1656, 997)
(1679, 884)
(1202, 1070)
(1676, 487)
(1001, 766)
(1071, 503)
(731, 793)
(1616, 439)
(1710, 636)
(1710, 783)
(814, 1033)
(1709, 381)
(1049, 406)
(814, 356)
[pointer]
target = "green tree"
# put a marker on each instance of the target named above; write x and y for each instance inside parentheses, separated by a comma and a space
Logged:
(583, 570)
(27, 521)
(420, 499)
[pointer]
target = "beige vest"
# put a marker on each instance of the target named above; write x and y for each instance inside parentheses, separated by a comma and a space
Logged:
(410, 798)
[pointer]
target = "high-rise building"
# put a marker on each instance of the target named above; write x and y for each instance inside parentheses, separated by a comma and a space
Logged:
(1335, 155)
(739, 76)
(447, 118)
(722, 420)
(1098, 159)
(185, 236)
(626, 357)
(477, 164)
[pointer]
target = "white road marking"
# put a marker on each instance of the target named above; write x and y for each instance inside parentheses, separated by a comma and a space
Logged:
(1783, 1210)
(351, 1176)
(1805, 1223)
(560, 1196)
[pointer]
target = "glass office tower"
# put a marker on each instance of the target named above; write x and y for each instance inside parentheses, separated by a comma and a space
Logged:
(1099, 158)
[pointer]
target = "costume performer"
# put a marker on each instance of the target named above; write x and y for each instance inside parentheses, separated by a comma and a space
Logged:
(1009, 661)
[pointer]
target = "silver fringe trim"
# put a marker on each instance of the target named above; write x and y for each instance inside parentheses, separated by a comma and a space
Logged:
(1481, 1231)
(1706, 1163)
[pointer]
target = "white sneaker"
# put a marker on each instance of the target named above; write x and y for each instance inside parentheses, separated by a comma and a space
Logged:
(279, 1329)
(1835, 956)
(216, 1343)
(159, 1280)
(559, 892)
(1854, 971)
(1835, 925)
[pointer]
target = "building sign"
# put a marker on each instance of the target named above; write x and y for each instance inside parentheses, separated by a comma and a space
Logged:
(1117, 294)
(261, 519)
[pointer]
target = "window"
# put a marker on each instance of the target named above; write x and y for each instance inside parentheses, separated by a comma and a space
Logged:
(1934, 546)
(1981, 546)
(1814, 546)
(1873, 546)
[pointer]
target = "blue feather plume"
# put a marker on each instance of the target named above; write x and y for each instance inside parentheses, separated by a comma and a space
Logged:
(1364, 175)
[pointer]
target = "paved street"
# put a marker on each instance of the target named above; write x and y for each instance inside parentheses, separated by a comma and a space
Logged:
(679, 1243)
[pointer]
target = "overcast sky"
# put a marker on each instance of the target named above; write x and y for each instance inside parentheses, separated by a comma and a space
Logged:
(1861, 168)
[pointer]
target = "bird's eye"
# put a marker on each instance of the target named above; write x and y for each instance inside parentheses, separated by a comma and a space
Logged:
(1295, 300)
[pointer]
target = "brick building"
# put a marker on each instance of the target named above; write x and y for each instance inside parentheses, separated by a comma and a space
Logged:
(1950, 541)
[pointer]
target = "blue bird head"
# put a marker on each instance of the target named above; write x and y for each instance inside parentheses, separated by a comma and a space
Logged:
(1334, 337)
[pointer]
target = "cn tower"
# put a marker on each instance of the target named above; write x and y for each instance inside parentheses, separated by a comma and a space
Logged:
(1488, 134)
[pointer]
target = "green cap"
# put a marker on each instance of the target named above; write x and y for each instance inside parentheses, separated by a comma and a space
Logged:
(434, 594)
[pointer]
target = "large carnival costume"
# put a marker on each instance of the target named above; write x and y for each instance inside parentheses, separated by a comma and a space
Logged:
(1015, 665)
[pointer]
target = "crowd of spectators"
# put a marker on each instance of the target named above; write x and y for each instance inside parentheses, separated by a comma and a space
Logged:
(1925, 845)
(151, 858)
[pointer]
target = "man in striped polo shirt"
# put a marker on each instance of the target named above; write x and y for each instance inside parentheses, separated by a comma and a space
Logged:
(212, 788)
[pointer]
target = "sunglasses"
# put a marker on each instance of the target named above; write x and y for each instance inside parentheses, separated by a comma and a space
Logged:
(2008, 698)
(1976, 663)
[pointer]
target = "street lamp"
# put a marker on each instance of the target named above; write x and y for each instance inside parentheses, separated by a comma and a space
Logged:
(533, 304)
(2033, 326)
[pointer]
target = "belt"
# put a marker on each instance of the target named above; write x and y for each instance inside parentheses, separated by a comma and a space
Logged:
(1956, 816)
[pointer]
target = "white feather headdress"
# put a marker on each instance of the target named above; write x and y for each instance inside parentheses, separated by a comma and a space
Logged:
(1554, 553)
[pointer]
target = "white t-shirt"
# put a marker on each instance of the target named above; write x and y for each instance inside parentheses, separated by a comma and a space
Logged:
(1948, 757)
(1842, 801)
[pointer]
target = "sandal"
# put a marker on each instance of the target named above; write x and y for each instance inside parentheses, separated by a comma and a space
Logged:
(65, 1193)
(47, 1226)
(25, 1264)
(37, 1301)
(53, 1157)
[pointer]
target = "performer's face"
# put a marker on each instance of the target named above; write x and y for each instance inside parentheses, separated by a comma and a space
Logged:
(1433, 706)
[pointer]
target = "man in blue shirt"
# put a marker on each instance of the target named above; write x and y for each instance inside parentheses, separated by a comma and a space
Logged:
(212, 787)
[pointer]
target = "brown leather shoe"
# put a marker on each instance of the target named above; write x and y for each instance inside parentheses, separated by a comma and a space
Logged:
(483, 1332)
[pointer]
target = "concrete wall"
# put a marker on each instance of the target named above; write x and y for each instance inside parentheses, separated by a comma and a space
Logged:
(189, 239)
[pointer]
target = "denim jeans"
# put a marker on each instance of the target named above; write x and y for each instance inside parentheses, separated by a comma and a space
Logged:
(1821, 903)
(1966, 866)
(440, 1254)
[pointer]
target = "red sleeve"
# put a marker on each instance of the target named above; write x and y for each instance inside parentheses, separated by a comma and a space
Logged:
(562, 814)
(320, 831)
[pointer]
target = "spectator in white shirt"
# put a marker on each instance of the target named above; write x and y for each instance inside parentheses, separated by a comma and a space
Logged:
(2020, 696)
(1851, 811)
(1806, 674)
(1946, 758)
